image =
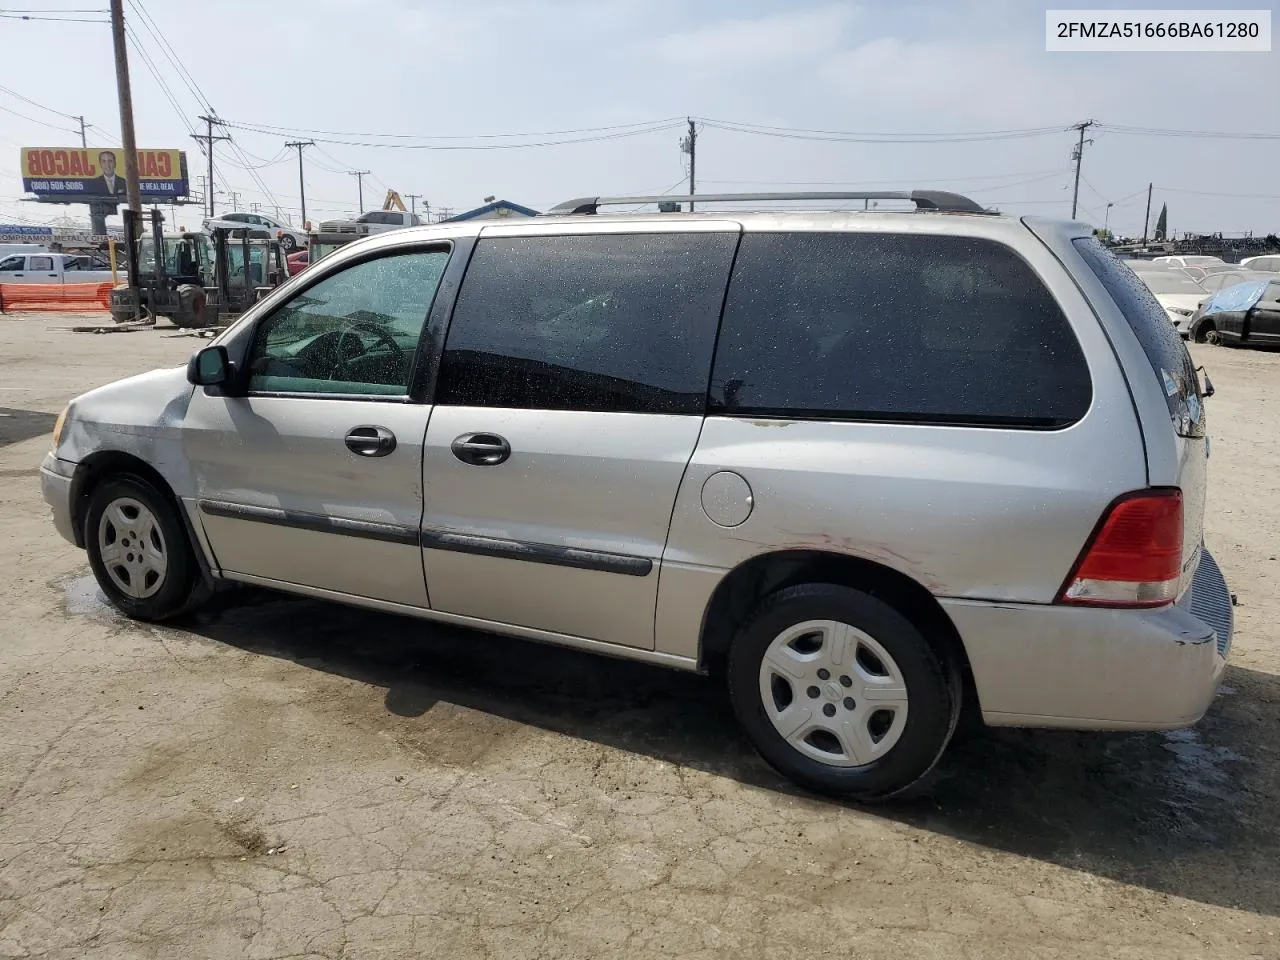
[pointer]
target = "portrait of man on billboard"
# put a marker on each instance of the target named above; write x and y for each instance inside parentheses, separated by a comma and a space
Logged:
(111, 183)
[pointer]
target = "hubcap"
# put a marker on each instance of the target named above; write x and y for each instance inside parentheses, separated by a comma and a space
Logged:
(131, 545)
(833, 693)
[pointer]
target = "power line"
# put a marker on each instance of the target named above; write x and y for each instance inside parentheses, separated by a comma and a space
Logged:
(15, 93)
(474, 136)
(488, 146)
(42, 123)
(171, 55)
(13, 15)
(856, 137)
(1201, 134)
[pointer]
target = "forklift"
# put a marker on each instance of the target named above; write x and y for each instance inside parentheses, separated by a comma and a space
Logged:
(198, 279)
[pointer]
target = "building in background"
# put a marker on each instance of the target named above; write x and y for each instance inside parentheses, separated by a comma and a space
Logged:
(498, 210)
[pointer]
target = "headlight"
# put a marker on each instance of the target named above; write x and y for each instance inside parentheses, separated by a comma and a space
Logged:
(58, 425)
(1181, 311)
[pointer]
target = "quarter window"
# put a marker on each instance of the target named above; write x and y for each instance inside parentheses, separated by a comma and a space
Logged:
(622, 323)
(355, 332)
(933, 329)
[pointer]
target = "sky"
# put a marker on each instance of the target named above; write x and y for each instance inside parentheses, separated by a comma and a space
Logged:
(387, 85)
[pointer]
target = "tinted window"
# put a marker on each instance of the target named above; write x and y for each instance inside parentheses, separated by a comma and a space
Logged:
(610, 323)
(882, 327)
(355, 332)
(1160, 340)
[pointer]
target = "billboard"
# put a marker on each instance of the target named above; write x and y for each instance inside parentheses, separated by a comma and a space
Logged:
(97, 173)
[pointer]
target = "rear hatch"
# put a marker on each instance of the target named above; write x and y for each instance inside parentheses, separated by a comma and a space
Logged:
(1179, 384)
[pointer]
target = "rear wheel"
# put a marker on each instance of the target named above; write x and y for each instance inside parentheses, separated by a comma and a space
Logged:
(289, 242)
(1207, 333)
(841, 693)
(138, 549)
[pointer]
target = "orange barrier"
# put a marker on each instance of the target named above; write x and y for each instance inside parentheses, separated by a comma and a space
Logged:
(55, 297)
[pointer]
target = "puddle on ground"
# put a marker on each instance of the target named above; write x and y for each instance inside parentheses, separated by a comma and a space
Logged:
(83, 597)
(1202, 767)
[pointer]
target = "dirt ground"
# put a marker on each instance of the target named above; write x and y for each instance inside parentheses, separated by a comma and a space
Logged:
(285, 778)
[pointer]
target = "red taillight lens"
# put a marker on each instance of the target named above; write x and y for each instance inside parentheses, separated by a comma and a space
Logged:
(1135, 557)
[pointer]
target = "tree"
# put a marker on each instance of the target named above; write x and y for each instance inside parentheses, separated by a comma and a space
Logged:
(1162, 222)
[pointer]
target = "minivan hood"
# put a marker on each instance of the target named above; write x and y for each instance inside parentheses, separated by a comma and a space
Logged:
(147, 400)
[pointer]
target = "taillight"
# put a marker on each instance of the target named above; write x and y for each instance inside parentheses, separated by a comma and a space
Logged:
(1134, 558)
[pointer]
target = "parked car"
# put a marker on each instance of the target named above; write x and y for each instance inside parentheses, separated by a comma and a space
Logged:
(1252, 320)
(1220, 281)
(290, 238)
(1177, 294)
(757, 440)
(1208, 264)
(1266, 264)
(375, 221)
(297, 262)
(52, 268)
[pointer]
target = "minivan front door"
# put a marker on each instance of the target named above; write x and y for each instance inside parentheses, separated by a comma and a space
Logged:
(311, 474)
(571, 394)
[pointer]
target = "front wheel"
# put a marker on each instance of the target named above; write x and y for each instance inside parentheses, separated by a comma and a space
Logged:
(840, 692)
(138, 549)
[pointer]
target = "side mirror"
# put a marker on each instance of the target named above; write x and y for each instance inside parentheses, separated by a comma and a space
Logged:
(209, 366)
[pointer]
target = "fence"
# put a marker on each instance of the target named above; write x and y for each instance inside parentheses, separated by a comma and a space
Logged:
(54, 297)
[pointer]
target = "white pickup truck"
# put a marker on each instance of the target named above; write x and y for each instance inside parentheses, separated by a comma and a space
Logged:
(375, 221)
(51, 268)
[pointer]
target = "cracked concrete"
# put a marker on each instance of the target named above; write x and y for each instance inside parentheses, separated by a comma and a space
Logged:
(283, 778)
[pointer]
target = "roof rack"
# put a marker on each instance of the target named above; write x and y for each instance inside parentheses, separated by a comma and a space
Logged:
(923, 199)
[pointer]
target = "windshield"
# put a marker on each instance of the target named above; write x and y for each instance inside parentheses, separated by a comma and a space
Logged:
(1171, 283)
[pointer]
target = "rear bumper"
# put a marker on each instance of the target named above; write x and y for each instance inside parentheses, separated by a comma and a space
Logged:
(55, 483)
(1089, 668)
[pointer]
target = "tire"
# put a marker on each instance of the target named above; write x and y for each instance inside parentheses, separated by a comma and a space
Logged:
(890, 656)
(157, 583)
(289, 242)
(1203, 331)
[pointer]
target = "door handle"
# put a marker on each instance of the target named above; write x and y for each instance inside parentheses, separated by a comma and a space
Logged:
(370, 441)
(481, 449)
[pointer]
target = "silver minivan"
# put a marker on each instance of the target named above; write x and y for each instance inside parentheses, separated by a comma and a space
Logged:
(875, 467)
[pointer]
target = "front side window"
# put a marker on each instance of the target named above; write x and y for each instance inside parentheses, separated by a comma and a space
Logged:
(12, 265)
(862, 326)
(621, 323)
(355, 332)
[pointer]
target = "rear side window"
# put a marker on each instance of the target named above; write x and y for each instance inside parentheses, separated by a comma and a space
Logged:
(621, 323)
(933, 329)
(1160, 340)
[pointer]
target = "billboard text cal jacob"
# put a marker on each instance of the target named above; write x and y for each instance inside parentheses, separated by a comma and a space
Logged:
(97, 173)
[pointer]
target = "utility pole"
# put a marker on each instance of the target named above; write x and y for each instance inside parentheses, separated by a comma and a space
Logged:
(235, 196)
(83, 141)
(302, 186)
(208, 140)
(413, 202)
(360, 175)
(127, 141)
(689, 145)
(1078, 156)
(1146, 220)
